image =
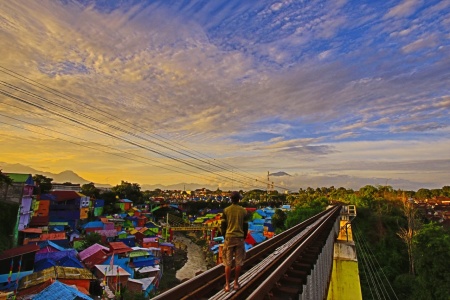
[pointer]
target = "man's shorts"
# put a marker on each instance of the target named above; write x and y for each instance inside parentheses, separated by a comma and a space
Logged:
(233, 247)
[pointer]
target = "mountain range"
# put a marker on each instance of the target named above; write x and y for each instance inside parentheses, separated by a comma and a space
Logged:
(72, 177)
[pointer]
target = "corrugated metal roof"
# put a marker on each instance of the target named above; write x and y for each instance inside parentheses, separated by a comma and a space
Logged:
(66, 195)
(95, 259)
(116, 270)
(13, 252)
(21, 178)
(91, 250)
(59, 290)
(107, 233)
(55, 273)
(119, 247)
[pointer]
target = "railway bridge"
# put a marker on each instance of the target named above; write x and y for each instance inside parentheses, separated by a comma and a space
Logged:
(315, 260)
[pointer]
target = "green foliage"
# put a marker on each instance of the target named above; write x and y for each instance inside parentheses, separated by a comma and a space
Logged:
(90, 190)
(278, 219)
(8, 218)
(131, 191)
(91, 239)
(44, 183)
(432, 257)
(300, 214)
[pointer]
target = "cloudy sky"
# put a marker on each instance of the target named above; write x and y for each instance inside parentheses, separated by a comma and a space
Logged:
(333, 92)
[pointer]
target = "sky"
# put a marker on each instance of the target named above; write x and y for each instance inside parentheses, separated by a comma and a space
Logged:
(221, 93)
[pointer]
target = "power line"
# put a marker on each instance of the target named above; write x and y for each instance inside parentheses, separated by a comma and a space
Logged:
(65, 96)
(206, 168)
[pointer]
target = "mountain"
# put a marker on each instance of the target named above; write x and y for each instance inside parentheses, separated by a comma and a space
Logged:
(278, 174)
(65, 176)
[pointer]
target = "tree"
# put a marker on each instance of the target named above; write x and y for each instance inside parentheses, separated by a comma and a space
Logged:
(432, 244)
(90, 190)
(91, 239)
(43, 183)
(423, 194)
(407, 234)
(278, 219)
(127, 190)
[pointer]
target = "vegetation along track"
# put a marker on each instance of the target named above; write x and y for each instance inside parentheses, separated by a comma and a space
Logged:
(277, 267)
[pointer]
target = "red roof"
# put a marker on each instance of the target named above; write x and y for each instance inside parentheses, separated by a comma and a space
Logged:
(39, 220)
(95, 259)
(65, 195)
(19, 251)
(119, 247)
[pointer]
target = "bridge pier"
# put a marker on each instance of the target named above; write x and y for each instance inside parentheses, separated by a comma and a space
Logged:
(345, 283)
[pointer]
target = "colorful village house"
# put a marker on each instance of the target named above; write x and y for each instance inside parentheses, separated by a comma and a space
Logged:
(70, 207)
(146, 286)
(97, 206)
(141, 258)
(124, 204)
(58, 237)
(81, 278)
(41, 217)
(113, 276)
(118, 254)
(20, 192)
(58, 290)
(53, 255)
(16, 263)
(93, 255)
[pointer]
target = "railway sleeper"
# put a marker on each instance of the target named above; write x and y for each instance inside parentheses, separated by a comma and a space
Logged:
(286, 291)
(302, 266)
(297, 274)
(292, 280)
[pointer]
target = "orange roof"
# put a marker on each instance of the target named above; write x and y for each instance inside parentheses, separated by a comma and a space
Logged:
(119, 247)
(32, 230)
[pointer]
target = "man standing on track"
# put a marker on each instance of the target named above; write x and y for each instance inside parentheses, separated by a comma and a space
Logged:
(234, 231)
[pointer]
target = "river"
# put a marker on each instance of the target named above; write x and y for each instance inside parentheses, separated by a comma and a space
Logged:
(196, 261)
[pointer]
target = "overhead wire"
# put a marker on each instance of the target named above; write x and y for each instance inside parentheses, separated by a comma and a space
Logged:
(377, 264)
(107, 114)
(375, 269)
(102, 131)
(204, 168)
(96, 143)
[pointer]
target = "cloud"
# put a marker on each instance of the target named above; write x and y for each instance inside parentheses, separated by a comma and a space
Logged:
(287, 84)
(404, 9)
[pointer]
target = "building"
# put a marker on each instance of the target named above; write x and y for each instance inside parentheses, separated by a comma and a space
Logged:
(21, 192)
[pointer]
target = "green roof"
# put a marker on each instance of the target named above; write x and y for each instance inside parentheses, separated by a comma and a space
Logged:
(21, 178)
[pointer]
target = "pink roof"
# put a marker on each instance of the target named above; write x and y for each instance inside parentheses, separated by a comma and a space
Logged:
(107, 233)
(151, 239)
(90, 251)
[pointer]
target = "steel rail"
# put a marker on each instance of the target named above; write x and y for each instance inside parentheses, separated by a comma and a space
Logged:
(210, 283)
(261, 279)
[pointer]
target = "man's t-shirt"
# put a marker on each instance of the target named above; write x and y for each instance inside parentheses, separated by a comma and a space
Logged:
(234, 215)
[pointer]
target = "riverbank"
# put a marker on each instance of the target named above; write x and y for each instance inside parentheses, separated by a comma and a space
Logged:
(190, 258)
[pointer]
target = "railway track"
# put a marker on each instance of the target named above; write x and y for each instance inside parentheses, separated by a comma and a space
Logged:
(278, 268)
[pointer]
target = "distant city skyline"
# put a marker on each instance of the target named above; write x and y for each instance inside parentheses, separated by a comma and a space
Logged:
(333, 93)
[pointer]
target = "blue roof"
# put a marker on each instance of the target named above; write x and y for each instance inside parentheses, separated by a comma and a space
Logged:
(93, 224)
(258, 221)
(44, 244)
(70, 262)
(125, 201)
(59, 290)
(44, 264)
(256, 228)
(258, 237)
(261, 212)
(48, 197)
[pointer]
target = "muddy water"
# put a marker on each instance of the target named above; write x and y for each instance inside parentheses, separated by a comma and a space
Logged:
(195, 259)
